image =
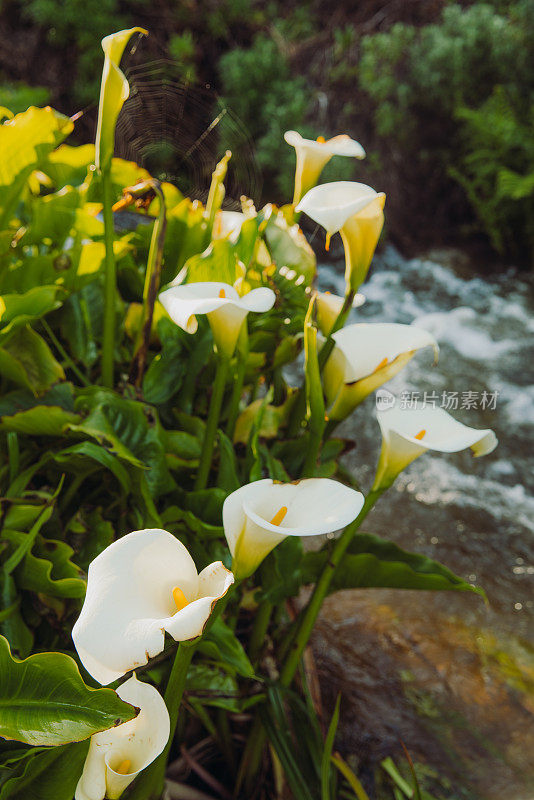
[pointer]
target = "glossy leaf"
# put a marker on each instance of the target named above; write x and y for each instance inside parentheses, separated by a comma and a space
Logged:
(26, 359)
(44, 774)
(372, 562)
(44, 701)
(25, 140)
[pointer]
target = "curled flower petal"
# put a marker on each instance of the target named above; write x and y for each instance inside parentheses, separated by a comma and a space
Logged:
(407, 433)
(130, 602)
(260, 515)
(118, 755)
(367, 355)
(329, 306)
(312, 156)
(226, 310)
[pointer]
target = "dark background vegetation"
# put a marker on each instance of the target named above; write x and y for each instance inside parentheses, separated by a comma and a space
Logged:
(439, 93)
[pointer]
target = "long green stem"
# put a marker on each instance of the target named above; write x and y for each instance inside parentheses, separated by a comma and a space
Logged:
(242, 355)
(150, 290)
(212, 422)
(149, 785)
(259, 629)
(312, 453)
(110, 282)
(256, 741)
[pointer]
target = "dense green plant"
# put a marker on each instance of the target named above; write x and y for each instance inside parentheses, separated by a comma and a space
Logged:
(125, 419)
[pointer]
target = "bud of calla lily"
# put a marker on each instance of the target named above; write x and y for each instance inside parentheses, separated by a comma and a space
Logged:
(357, 212)
(329, 306)
(228, 223)
(314, 154)
(118, 755)
(367, 355)
(407, 433)
(260, 515)
(225, 309)
(139, 587)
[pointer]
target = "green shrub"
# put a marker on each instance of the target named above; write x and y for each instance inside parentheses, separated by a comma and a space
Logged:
(497, 170)
(258, 86)
(424, 84)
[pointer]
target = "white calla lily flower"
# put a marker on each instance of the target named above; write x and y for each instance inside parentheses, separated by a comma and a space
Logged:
(260, 515)
(313, 155)
(357, 212)
(118, 755)
(139, 587)
(407, 433)
(225, 309)
(328, 307)
(228, 223)
(365, 356)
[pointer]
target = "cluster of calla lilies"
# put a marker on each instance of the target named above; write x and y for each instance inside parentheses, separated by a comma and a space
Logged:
(146, 584)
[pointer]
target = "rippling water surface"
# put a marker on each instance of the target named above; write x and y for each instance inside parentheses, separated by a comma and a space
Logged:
(449, 676)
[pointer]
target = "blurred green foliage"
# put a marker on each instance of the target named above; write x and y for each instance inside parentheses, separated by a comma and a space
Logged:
(18, 96)
(258, 86)
(454, 99)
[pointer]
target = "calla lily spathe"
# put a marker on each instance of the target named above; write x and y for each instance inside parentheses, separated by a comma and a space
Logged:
(139, 587)
(407, 433)
(357, 212)
(313, 155)
(228, 223)
(329, 306)
(225, 309)
(260, 515)
(367, 355)
(118, 755)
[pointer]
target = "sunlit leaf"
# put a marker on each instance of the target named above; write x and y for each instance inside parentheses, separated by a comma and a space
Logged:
(44, 701)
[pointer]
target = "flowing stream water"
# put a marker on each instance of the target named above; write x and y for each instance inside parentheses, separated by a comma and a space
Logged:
(451, 677)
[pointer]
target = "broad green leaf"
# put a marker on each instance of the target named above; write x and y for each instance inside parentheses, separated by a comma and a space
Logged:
(131, 430)
(67, 165)
(86, 457)
(25, 141)
(372, 562)
(40, 421)
(229, 647)
(113, 92)
(219, 262)
(47, 567)
(44, 701)
(82, 323)
(288, 246)
(45, 774)
(13, 626)
(19, 309)
(26, 359)
(214, 687)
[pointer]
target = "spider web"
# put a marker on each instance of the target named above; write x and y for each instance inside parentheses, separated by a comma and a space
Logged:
(179, 130)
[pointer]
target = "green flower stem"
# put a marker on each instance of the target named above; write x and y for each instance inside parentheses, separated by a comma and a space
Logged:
(242, 356)
(110, 282)
(253, 751)
(299, 407)
(151, 288)
(259, 629)
(312, 453)
(212, 422)
(149, 785)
